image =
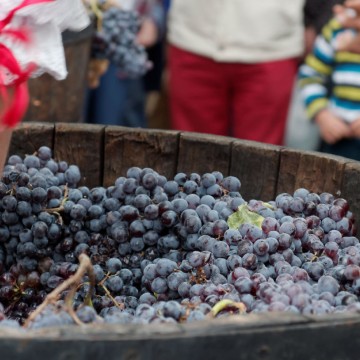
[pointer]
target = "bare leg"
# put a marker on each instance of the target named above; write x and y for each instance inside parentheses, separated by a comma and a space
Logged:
(5, 138)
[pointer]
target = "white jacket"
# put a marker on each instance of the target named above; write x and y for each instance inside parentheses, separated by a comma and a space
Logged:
(247, 31)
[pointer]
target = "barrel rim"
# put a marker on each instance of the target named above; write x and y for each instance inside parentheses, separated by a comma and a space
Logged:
(266, 321)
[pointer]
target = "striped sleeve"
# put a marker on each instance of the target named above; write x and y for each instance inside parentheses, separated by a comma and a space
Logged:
(315, 73)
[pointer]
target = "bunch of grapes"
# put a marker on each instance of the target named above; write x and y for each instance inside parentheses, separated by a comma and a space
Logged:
(162, 249)
(116, 41)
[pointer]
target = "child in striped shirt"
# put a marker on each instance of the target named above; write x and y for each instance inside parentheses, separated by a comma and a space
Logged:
(330, 82)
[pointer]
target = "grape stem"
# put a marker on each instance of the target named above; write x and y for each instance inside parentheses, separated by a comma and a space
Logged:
(119, 306)
(56, 211)
(72, 282)
(102, 284)
(199, 278)
(189, 307)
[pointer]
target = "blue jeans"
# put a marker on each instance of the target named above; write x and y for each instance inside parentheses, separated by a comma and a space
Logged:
(349, 148)
(116, 101)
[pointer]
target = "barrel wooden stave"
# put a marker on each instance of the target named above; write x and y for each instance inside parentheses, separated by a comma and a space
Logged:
(312, 170)
(203, 153)
(350, 189)
(126, 147)
(62, 101)
(252, 160)
(29, 137)
(82, 146)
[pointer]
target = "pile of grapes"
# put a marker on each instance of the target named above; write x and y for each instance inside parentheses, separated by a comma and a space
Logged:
(161, 250)
(116, 41)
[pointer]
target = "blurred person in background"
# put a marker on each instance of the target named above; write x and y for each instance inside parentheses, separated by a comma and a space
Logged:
(157, 104)
(301, 133)
(232, 66)
(154, 81)
(330, 82)
(120, 99)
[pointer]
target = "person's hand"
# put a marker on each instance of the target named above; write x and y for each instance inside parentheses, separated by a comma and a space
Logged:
(349, 17)
(332, 129)
(148, 33)
(347, 41)
(348, 14)
(355, 128)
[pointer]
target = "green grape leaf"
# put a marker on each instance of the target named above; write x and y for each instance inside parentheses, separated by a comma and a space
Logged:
(244, 216)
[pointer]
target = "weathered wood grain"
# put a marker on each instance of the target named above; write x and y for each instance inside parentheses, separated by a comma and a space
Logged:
(27, 138)
(62, 101)
(41, 99)
(201, 153)
(69, 94)
(83, 146)
(312, 170)
(257, 167)
(351, 188)
(126, 147)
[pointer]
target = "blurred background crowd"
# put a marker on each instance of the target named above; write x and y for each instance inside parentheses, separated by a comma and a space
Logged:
(277, 71)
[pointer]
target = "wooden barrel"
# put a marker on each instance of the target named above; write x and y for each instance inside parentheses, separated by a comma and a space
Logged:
(63, 101)
(105, 153)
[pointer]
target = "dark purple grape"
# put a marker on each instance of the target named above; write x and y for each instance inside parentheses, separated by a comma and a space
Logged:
(287, 227)
(250, 232)
(171, 187)
(231, 183)
(114, 284)
(269, 224)
(245, 247)
(159, 285)
(72, 175)
(192, 224)
(170, 218)
(344, 226)
(336, 212)
(261, 247)
(190, 187)
(220, 249)
(113, 265)
(352, 272)
(243, 285)
(208, 180)
(164, 267)
(249, 261)
(285, 241)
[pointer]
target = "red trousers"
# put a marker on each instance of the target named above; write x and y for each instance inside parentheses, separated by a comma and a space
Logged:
(247, 101)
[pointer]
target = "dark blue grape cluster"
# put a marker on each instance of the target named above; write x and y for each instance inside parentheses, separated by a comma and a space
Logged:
(162, 249)
(116, 41)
